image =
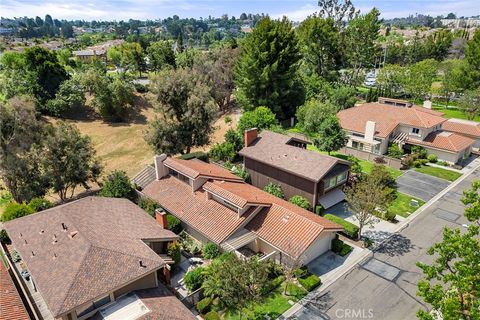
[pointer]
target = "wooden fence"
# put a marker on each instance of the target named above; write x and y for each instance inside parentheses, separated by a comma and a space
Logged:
(375, 158)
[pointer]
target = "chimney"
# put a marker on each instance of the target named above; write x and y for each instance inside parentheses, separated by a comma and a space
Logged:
(160, 169)
(250, 136)
(427, 104)
(161, 217)
(370, 130)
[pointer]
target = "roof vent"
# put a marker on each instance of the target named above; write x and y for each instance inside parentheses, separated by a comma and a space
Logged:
(42, 231)
(25, 242)
(33, 253)
(72, 234)
(64, 227)
(286, 218)
(140, 262)
(54, 256)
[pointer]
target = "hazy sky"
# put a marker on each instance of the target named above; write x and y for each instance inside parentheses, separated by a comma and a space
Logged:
(154, 9)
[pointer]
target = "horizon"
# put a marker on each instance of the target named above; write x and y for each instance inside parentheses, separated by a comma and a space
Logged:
(110, 10)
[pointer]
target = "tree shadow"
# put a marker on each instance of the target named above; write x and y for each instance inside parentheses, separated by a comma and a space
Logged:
(396, 245)
(314, 307)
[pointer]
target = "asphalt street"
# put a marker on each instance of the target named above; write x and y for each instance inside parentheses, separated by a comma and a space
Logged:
(420, 185)
(385, 286)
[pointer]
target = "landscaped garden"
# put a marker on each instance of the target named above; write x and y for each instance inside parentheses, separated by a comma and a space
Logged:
(439, 172)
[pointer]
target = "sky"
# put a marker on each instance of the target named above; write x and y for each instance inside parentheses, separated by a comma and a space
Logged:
(296, 10)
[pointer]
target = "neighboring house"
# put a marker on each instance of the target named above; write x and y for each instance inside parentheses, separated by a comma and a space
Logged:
(216, 206)
(88, 55)
(372, 127)
(280, 159)
(85, 256)
(470, 129)
(11, 305)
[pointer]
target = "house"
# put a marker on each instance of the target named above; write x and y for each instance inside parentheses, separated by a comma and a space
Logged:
(216, 206)
(281, 159)
(85, 256)
(88, 55)
(11, 305)
(470, 129)
(372, 127)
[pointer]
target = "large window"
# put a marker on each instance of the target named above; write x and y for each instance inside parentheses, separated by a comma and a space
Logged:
(357, 145)
(179, 176)
(416, 131)
(335, 181)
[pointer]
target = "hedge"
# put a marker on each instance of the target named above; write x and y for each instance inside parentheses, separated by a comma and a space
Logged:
(198, 155)
(340, 247)
(310, 282)
(212, 315)
(204, 305)
(350, 230)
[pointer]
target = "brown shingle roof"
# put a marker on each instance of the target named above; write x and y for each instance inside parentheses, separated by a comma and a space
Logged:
(11, 305)
(468, 128)
(103, 254)
(444, 140)
(196, 168)
(387, 118)
(271, 148)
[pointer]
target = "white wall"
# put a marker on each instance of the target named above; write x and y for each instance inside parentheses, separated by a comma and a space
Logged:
(448, 156)
(321, 245)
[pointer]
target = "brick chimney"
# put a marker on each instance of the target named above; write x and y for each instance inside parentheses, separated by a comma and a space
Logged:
(160, 169)
(161, 217)
(250, 136)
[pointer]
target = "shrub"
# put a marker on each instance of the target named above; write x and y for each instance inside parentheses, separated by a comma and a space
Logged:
(432, 158)
(274, 189)
(173, 250)
(420, 151)
(195, 155)
(15, 210)
(204, 305)
(318, 209)
(174, 224)
(242, 173)
(228, 119)
(296, 291)
(260, 118)
(212, 315)
(272, 284)
(395, 151)
(210, 251)
(4, 236)
(340, 247)
(301, 272)
(300, 201)
(443, 163)
(222, 152)
(350, 230)
(118, 185)
(194, 279)
(310, 282)
(389, 216)
(39, 204)
(409, 160)
(417, 163)
(235, 138)
(148, 205)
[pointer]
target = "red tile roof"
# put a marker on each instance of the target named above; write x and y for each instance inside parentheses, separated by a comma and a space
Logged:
(103, 253)
(464, 127)
(387, 118)
(444, 140)
(239, 194)
(11, 305)
(196, 168)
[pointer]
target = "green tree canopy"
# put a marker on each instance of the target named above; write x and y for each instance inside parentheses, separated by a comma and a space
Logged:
(260, 118)
(331, 136)
(118, 185)
(161, 55)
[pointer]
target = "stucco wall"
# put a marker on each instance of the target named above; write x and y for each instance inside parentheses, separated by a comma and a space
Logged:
(446, 156)
(321, 245)
(149, 281)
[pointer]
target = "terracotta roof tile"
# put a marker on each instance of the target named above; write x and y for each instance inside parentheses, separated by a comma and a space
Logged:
(387, 117)
(103, 253)
(11, 305)
(444, 140)
(195, 168)
(464, 127)
(239, 194)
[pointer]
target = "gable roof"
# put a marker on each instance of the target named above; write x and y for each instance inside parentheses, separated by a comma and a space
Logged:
(465, 127)
(387, 118)
(240, 194)
(272, 149)
(195, 168)
(445, 140)
(99, 251)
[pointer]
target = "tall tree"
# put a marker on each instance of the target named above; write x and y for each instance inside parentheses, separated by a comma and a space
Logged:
(185, 112)
(319, 44)
(453, 81)
(128, 56)
(390, 80)
(419, 78)
(161, 55)
(469, 103)
(341, 11)
(472, 55)
(266, 74)
(331, 136)
(312, 114)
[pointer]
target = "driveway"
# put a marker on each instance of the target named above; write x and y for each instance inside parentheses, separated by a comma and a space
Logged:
(419, 185)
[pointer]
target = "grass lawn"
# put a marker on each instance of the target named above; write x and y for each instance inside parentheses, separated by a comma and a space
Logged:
(274, 304)
(366, 165)
(454, 113)
(401, 205)
(439, 173)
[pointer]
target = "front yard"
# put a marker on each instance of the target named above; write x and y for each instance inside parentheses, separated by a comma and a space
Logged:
(402, 205)
(439, 172)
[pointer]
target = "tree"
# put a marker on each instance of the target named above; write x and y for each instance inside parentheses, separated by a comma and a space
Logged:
(128, 56)
(112, 99)
(340, 11)
(436, 45)
(419, 78)
(450, 283)
(69, 160)
(118, 185)
(452, 79)
(185, 112)
(319, 44)
(70, 94)
(343, 97)
(260, 118)
(274, 189)
(391, 79)
(266, 74)
(300, 201)
(469, 103)
(366, 198)
(331, 136)
(161, 55)
(311, 115)
(472, 53)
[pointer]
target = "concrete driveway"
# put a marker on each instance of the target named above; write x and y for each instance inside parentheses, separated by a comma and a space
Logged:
(419, 185)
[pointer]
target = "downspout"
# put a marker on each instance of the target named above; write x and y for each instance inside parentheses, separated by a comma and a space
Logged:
(315, 196)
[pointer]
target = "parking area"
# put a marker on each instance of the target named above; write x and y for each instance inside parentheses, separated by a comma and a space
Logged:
(420, 185)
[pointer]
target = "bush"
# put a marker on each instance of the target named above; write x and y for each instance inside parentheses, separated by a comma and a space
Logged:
(260, 118)
(340, 247)
(222, 152)
(409, 160)
(174, 224)
(4, 237)
(212, 315)
(148, 205)
(118, 185)
(195, 155)
(228, 119)
(310, 282)
(300, 201)
(432, 158)
(194, 279)
(39, 204)
(204, 305)
(15, 210)
(350, 230)
(420, 151)
(210, 251)
(140, 88)
(443, 163)
(274, 189)
(318, 209)
(395, 151)
(272, 284)
(235, 138)
(301, 272)
(389, 216)
(242, 173)
(417, 163)
(173, 250)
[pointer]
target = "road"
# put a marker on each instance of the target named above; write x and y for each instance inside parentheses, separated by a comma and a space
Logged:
(385, 286)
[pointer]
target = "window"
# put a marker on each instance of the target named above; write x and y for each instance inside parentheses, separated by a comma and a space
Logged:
(179, 176)
(415, 131)
(335, 181)
(342, 177)
(330, 183)
(357, 145)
